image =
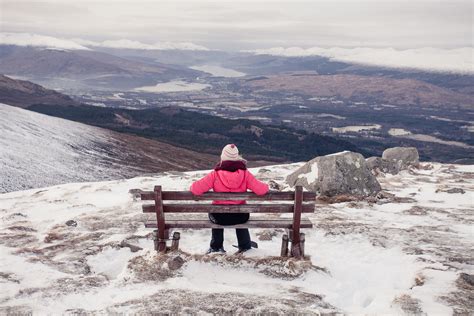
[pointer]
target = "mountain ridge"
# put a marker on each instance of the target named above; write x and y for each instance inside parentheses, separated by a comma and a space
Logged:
(22, 93)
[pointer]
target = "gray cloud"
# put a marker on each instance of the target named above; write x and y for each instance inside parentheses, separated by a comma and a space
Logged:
(250, 24)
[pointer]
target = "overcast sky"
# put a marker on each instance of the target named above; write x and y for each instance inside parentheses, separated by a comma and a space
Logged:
(239, 25)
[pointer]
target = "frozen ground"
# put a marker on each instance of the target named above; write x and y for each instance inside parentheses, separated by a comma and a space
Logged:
(410, 253)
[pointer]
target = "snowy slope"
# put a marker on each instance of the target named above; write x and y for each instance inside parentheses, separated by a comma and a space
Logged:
(397, 255)
(37, 150)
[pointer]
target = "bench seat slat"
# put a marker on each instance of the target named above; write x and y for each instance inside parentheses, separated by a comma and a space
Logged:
(240, 208)
(186, 195)
(252, 223)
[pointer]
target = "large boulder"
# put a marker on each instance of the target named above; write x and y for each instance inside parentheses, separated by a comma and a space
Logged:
(400, 158)
(331, 175)
(378, 165)
(306, 176)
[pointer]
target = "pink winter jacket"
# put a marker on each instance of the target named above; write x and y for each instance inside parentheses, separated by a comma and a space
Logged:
(226, 181)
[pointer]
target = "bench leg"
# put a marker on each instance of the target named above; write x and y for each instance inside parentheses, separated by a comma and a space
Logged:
(160, 245)
(284, 245)
(175, 242)
(302, 240)
(155, 239)
(295, 250)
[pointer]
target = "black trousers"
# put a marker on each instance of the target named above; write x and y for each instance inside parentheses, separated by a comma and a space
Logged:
(243, 238)
(243, 235)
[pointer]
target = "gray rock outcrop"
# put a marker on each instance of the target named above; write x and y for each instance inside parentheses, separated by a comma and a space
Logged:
(341, 173)
(378, 165)
(306, 176)
(400, 158)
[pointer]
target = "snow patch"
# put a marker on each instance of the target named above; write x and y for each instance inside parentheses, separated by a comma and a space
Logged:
(174, 86)
(218, 71)
(398, 132)
(110, 262)
(355, 128)
(312, 175)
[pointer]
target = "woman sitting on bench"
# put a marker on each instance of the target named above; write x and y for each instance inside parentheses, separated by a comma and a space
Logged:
(229, 175)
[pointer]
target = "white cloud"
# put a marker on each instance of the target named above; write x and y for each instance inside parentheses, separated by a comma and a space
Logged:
(437, 59)
(125, 43)
(27, 39)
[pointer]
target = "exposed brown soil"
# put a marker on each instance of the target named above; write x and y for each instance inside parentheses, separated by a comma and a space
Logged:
(408, 305)
(363, 88)
(462, 299)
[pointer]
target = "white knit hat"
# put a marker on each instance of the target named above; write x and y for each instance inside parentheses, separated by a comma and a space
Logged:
(230, 152)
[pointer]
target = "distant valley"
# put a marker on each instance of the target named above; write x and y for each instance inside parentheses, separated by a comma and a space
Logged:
(369, 107)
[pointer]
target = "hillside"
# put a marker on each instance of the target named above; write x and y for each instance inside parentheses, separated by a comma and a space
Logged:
(206, 133)
(23, 93)
(407, 255)
(97, 70)
(38, 150)
(370, 89)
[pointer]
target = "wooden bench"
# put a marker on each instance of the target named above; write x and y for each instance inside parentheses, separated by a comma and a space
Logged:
(303, 202)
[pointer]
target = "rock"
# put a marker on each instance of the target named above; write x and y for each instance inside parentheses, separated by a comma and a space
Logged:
(136, 194)
(373, 162)
(71, 223)
(274, 186)
(340, 198)
(342, 173)
(306, 176)
(400, 158)
(175, 263)
(376, 165)
(456, 190)
(450, 191)
(467, 278)
(266, 234)
(133, 248)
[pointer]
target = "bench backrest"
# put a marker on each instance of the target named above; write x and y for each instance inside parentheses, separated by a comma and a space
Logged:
(240, 208)
(298, 197)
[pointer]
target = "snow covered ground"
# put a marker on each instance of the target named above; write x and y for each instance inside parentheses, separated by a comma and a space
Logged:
(401, 254)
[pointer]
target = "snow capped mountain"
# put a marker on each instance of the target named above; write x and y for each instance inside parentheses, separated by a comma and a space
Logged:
(406, 253)
(457, 60)
(37, 150)
(38, 40)
(129, 44)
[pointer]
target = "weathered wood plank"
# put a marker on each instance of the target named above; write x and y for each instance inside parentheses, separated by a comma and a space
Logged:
(175, 242)
(249, 196)
(214, 208)
(252, 223)
(295, 240)
(160, 219)
(284, 246)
